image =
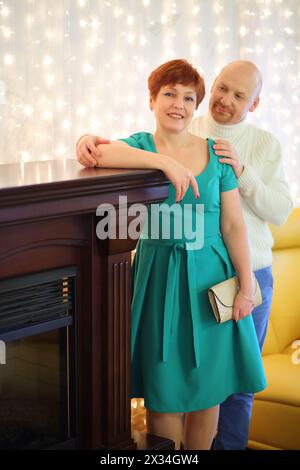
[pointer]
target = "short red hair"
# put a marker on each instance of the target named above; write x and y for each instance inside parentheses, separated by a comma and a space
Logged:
(176, 71)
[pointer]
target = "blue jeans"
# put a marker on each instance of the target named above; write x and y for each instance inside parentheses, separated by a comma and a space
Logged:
(236, 410)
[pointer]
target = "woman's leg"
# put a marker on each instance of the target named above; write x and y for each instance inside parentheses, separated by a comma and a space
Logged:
(169, 425)
(200, 428)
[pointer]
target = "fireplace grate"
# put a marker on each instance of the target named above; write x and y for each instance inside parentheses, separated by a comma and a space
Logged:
(36, 298)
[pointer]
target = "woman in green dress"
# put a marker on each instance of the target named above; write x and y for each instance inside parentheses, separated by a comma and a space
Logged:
(184, 364)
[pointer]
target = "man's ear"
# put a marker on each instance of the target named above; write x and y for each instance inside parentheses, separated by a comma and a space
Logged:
(254, 104)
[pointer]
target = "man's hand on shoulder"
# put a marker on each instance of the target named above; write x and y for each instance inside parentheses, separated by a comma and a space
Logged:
(224, 149)
(88, 151)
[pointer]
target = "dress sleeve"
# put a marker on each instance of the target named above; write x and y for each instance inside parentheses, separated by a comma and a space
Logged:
(228, 179)
(227, 176)
(132, 141)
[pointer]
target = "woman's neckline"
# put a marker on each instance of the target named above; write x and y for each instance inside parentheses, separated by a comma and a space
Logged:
(209, 155)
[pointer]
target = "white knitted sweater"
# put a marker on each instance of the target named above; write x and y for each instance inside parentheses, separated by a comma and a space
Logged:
(264, 191)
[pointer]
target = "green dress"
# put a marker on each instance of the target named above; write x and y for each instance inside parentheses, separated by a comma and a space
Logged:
(182, 360)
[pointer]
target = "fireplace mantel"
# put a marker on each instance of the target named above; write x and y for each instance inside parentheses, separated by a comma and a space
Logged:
(48, 221)
(57, 186)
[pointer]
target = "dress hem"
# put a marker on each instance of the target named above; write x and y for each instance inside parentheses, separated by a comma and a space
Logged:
(257, 390)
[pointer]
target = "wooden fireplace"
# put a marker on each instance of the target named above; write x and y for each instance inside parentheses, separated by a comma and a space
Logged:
(48, 227)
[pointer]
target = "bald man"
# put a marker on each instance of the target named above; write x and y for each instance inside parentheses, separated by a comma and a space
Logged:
(255, 156)
(256, 160)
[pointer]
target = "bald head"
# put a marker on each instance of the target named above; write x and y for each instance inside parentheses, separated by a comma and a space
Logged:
(235, 92)
(247, 73)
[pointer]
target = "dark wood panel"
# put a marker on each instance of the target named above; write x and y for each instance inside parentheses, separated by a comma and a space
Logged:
(48, 220)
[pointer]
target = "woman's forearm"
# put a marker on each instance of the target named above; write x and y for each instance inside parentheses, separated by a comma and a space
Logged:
(118, 155)
(236, 242)
(124, 156)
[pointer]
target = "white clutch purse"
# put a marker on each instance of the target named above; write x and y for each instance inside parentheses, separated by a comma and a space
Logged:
(222, 295)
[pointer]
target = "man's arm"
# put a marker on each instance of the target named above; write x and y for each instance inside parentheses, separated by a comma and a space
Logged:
(86, 149)
(268, 196)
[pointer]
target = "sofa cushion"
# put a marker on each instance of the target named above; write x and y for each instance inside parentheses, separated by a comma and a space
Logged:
(287, 235)
(274, 426)
(285, 310)
(283, 377)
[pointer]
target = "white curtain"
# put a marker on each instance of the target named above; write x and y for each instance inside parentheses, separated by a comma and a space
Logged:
(69, 67)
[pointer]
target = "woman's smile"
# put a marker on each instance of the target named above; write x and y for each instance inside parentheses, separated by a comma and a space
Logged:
(175, 115)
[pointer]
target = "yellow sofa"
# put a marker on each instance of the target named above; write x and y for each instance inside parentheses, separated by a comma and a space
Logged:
(275, 422)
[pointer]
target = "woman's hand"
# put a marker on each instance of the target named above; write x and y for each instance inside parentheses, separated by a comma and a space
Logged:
(87, 151)
(89, 155)
(242, 307)
(181, 178)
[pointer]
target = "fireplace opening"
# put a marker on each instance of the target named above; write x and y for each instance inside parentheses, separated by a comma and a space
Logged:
(37, 380)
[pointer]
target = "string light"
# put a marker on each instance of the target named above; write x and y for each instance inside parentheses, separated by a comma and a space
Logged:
(7, 32)
(9, 59)
(83, 68)
(4, 11)
(47, 61)
(81, 111)
(243, 31)
(66, 124)
(24, 156)
(87, 68)
(47, 115)
(28, 110)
